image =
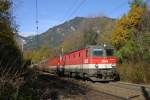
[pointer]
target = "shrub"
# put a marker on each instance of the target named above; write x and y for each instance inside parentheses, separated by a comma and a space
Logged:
(136, 73)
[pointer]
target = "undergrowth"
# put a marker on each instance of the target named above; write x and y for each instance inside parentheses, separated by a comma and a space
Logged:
(135, 73)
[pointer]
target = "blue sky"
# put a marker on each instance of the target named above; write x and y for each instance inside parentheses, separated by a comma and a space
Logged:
(54, 12)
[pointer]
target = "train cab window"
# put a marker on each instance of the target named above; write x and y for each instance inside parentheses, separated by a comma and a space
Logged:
(97, 52)
(109, 52)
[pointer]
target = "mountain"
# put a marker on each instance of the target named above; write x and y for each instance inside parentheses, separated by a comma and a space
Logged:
(54, 36)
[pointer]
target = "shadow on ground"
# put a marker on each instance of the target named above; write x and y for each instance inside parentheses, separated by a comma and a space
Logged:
(47, 87)
(145, 93)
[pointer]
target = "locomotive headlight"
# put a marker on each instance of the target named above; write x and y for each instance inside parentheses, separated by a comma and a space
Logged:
(96, 66)
(113, 65)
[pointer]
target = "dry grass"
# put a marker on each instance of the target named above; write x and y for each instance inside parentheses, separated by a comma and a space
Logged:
(9, 88)
(136, 73)
(39, 87)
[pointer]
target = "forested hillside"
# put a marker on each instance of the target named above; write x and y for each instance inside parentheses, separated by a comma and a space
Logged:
(71, 35)
(10, 54)
(56, 35)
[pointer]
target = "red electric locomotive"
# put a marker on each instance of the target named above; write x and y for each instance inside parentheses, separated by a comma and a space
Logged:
(93, 62)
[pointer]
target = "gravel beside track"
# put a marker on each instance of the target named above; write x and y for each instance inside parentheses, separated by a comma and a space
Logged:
(108, 90)
(118, 91)
(128, 91)
(75, 89)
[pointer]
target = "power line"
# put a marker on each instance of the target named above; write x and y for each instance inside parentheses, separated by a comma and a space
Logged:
(70, 7)
(76, 9)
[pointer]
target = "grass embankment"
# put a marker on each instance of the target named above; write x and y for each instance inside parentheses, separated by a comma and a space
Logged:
(135, 73)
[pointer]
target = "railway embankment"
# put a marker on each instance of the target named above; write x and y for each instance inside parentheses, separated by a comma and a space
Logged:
(120, 90)
(125, 90)
(72, 89)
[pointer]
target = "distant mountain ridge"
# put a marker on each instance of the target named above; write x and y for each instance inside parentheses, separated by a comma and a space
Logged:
(54, 36)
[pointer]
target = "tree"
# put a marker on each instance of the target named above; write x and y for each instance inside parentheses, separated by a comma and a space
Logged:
(10, 56)
(144, 38)
(127, 36)
(127, 26)
(7, 28)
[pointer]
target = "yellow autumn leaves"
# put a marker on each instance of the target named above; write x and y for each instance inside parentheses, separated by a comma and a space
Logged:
(127, 26)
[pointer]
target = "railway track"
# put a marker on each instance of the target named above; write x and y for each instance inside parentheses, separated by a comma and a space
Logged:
(120, 90)
(126, 90)
(97, 93)
(135, 87)
(142, 91)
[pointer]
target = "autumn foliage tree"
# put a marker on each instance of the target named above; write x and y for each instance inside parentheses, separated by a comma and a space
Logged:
(126, 26)
(131, 38)
(127, 33)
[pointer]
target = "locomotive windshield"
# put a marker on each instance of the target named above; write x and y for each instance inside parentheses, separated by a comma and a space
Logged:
(109, 52)
(102, 52)
(97, 52)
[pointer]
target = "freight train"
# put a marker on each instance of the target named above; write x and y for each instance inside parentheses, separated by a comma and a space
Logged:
(96, 63)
